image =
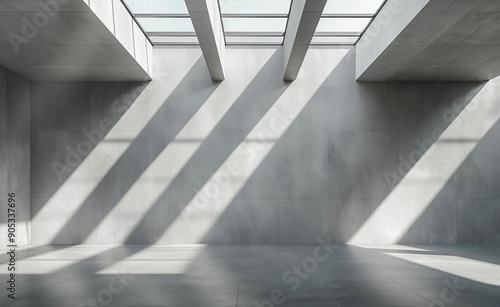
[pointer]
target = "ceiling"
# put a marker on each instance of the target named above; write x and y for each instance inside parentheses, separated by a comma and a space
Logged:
(67, 41)
(445, 40)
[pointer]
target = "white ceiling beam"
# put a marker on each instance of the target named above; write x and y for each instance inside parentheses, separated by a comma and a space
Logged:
(207, 22)
(302, 23)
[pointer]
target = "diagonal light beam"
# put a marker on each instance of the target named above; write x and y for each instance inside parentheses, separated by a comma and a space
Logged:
(206, 207)
(415, 192)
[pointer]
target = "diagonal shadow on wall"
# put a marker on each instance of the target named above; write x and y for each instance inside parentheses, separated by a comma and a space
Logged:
(347, 161)
(138, 156)
(468, 209)
(61, 113)
(246, 112)
(369, 126)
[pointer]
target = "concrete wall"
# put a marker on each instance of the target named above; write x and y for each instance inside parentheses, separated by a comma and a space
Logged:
(256, 160)
(14, 153)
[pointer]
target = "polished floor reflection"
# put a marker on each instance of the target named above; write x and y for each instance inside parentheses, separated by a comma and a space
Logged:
(286, 275)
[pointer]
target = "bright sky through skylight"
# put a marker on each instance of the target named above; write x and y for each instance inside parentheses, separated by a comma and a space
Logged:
(255, 6)
(352, 25)
(352, 6)
(157, 6)
(175, 25)
(255, 25)
(258, 21)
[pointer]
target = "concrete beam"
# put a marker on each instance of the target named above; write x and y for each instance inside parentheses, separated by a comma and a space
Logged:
(302, 23)
(72, 40)
(431, 40)
(207, 23)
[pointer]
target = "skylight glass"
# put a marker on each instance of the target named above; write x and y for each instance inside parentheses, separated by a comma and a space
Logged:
(352, 6)
(165, 22)
(255, 25)
(334, 40)
(254, 40)
(256, 22)
(344, 21)
(157, 6)
(342, 25)
(255, 6)
(173, 40)
(166, 25)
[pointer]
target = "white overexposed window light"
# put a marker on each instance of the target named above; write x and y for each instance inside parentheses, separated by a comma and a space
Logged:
(354, 7)
(166, 25)
(157, 6)
(165, 22)
(255, 25)
(257, 22)
(334, 40)
(343, 22)
(342, 25)
(254, 40)
(255, 6)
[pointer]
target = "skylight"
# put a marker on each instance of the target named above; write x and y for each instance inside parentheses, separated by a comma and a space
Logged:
(165, 22)
(253, 22)
(157, 6)
(344, 21)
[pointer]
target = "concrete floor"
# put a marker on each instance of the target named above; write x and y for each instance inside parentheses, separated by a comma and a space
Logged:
(287, 275)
